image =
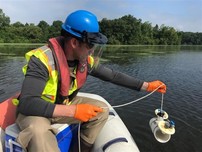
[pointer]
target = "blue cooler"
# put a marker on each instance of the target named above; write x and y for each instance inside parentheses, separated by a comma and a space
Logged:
(64, 137)
(11, 134)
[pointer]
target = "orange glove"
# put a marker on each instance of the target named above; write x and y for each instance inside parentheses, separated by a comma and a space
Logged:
(84, 112)
(155, 84)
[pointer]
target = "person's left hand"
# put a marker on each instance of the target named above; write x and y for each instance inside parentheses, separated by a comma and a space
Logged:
(155, 84)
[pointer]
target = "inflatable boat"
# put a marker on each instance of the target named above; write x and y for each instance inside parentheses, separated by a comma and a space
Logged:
(114, 137)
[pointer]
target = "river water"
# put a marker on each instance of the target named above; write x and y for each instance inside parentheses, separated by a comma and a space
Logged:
(180, 67)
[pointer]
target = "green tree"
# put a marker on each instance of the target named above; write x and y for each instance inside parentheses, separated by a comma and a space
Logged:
(45, 30)
(18, 24)
(168, 36)
(156, 35)
(4, 20)
(33, 33)
(106, 27)
(189, 38)
(147, 33)
(55, 29)
(14, 34)
(131, 29)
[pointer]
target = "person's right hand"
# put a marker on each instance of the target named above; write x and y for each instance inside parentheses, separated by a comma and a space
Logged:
(84, 112)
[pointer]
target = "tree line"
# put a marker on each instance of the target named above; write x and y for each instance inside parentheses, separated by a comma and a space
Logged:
(126, 30)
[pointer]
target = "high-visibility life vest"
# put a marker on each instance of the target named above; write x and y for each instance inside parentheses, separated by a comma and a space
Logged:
(53, 57)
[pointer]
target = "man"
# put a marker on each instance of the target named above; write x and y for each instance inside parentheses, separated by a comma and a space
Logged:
(53, 76)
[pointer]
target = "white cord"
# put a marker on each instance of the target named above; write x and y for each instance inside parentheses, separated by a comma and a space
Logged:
(162, 102)
(122, 105)
(79, 141)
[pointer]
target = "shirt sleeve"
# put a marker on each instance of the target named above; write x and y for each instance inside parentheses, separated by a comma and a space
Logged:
(117, 78)
(30, 99)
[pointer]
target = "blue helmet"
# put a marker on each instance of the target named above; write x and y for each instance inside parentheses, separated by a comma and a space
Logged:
(84, 25)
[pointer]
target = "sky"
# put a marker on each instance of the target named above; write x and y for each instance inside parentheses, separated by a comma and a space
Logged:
(183, 15)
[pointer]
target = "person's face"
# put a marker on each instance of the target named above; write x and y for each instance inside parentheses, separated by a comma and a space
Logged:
(82, 51)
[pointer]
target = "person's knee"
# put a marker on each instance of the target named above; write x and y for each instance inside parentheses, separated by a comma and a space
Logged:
(38, 127)
(39, 130)
(105, 113)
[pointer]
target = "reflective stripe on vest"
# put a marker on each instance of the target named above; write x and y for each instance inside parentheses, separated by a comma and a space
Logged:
(44, 54)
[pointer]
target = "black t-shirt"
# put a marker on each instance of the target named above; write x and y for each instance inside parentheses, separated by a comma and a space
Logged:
(37, 75)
